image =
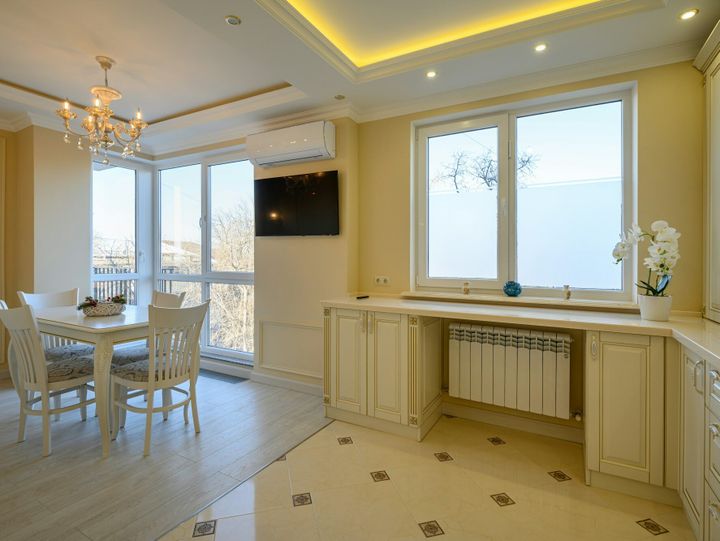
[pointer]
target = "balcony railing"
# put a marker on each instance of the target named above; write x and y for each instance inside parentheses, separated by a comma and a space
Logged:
(102, 289)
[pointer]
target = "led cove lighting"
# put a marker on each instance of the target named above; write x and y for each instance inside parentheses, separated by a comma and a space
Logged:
(540, 47)
(689, 14)
(431, 74)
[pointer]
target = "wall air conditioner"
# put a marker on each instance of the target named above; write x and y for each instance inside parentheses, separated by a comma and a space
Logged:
(303, 143)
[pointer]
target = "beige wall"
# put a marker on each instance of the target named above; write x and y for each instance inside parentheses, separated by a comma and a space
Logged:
(293, 274)
(670, 156)
(63, 213)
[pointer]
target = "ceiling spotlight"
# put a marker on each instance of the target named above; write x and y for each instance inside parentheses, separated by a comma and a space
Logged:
(232, 20)
(431, 74)
(540, 47)
(689, 14)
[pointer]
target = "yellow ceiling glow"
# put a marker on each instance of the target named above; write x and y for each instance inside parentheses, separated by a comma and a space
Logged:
(361, 58)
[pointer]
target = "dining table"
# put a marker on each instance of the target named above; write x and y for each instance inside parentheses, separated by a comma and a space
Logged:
(104, 333)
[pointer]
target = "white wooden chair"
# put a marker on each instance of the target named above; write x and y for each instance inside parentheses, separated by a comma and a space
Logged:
(134, 354)
(174, 336)
(56, 347)
(32, 374)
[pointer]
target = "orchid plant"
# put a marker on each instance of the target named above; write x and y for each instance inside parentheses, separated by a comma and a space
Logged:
(663, 254)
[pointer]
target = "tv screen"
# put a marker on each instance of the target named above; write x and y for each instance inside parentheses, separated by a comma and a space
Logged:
(297, 205)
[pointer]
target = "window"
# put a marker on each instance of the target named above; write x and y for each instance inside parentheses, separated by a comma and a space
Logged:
(114, 212)
(207, 236)
(538, 195)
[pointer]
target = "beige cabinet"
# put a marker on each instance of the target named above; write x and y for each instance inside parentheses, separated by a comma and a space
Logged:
(712, 515)
(383, 366)
(692, 436)
(624, 406)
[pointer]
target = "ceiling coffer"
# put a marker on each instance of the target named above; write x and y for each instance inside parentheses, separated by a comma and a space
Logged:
(304, 143)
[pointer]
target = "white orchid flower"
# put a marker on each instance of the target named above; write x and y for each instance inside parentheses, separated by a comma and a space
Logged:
(658, 226)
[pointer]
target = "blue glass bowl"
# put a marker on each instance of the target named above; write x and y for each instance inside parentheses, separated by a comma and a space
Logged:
(512, 289)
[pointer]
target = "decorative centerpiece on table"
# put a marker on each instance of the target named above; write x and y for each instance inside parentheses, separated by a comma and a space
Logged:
(663, 255)
(111, 306)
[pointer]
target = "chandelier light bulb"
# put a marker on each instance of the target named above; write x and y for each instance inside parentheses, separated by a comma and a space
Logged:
(138, 115)
(66, 105)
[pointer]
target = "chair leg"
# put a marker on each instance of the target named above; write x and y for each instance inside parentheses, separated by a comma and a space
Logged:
(21, 424)
(47, 448)
(148, 423)
(185, 412)
(83, 398)
(115, 409)
(57, 404)
(167, 400)
(193, 401)
(123, 411)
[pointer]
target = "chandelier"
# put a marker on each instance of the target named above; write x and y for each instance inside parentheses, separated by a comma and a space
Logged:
(101, 133)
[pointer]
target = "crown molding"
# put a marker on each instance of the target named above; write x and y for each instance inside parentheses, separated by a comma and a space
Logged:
(296, 23)
(647, 58)
(6, 125)
(710, 49)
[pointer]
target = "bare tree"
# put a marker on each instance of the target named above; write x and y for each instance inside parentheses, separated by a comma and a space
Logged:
(465, 172)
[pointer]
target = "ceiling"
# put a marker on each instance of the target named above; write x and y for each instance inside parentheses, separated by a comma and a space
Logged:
(200, 81)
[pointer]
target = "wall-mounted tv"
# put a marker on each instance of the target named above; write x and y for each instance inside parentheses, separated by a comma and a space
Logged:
(297, 205)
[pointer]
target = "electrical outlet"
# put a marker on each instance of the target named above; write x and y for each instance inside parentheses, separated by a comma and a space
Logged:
(382, 281)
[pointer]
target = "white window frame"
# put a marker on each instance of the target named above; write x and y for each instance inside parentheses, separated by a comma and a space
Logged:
(143, 274)
(506, 117)
(207, 276)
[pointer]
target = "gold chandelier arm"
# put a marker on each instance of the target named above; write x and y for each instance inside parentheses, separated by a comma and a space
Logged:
(69, 130)
(118, 130)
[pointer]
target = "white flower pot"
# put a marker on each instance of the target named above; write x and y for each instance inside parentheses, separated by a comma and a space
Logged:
(655, 308)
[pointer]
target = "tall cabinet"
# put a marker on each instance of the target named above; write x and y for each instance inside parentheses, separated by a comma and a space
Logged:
(708, 61)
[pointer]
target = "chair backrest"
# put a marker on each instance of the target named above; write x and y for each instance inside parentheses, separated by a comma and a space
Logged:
(26, 345)
(167, 300)
(49, 300)
(174, 349)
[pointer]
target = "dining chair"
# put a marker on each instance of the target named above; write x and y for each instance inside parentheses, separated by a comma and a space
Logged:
(56, 347)
(32, 373)
(174, 336)
(133, 354)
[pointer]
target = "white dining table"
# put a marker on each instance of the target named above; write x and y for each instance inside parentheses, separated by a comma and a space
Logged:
(103, 333)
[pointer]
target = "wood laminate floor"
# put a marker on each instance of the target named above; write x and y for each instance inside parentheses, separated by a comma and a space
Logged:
(76, 495)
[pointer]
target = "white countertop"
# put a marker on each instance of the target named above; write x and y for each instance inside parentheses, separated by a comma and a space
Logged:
(697, 334)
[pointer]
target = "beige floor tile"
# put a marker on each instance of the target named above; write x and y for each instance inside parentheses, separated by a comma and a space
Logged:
(296, 523)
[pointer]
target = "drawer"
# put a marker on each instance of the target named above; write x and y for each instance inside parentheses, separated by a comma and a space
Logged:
(712, 390)
(712, 515)
(712, 450)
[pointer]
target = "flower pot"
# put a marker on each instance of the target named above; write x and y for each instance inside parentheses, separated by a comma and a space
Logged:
(655, 308)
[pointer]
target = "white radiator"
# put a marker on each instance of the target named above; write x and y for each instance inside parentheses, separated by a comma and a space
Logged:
(515, 368)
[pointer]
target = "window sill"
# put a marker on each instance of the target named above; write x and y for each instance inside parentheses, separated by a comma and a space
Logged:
(547, 302)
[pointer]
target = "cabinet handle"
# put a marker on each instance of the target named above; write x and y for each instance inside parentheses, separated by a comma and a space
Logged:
(714, 431)
(594, 347)
(371, 323)
(698, 369)
(714, 511)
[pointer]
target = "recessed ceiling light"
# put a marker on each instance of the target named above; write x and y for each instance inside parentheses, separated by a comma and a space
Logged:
(540, 47)
(232, 20)
(689, 14)
(431, 74)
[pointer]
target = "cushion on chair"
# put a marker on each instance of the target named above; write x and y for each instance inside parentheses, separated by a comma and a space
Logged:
(70, 369)
(129, 355)
(67, 352)
(137, 371)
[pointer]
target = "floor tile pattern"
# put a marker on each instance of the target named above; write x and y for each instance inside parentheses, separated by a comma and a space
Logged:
(302, 499)
(652, 526)
(379, 476)
(480, 492)
(346, 440)
(559, 475)
(204, 528)
(431, 529)
(496, 441)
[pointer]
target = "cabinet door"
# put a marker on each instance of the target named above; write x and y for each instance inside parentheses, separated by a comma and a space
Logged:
(691, 440)
(348, 374)
(712, 237)
(625, 406)
(712, 515)
(387, 363)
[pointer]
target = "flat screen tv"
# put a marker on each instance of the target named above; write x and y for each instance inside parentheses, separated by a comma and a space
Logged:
(298, 205)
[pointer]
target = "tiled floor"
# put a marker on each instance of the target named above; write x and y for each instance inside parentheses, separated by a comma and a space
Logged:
(466, 480)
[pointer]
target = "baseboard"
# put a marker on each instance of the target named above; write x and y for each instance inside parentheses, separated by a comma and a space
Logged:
(378, 424)
(287, 383)
(638, 489)
(229, 369)
(562, 432)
